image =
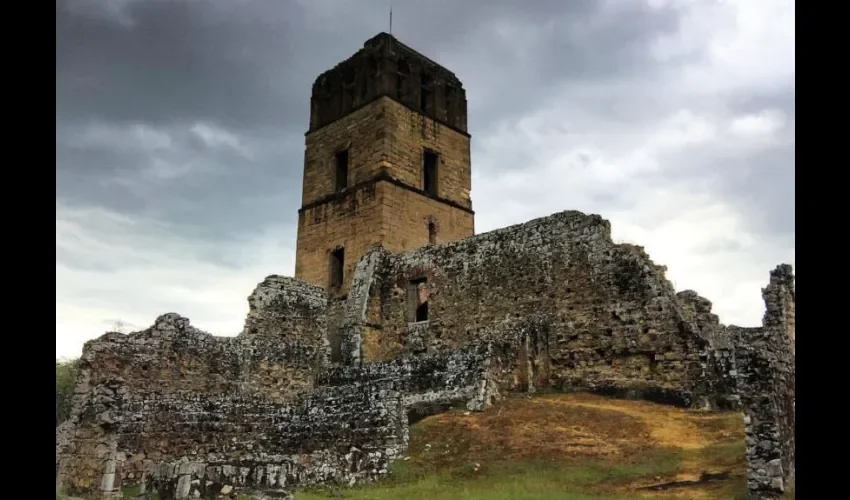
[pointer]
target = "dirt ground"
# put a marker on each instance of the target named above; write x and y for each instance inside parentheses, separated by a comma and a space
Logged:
(664, 452)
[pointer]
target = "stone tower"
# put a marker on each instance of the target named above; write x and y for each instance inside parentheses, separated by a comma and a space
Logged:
(387, 161)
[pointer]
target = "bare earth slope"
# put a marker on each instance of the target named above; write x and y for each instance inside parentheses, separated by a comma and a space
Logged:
(567, 446)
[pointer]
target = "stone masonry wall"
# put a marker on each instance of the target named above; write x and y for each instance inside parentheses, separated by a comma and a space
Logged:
(169, 360)
(719, 363)
(363, 133)
(385, 66)
(288, 309)
(409, 133)
(765, 366)
(408, 215)
(342, 434)
(352, 221)
(427, 383)
(615, 324)
(191, 415)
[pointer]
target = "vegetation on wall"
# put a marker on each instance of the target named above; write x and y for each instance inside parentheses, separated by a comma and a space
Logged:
(66, 377)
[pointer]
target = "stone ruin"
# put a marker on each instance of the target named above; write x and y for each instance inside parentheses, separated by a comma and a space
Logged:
(322, 390)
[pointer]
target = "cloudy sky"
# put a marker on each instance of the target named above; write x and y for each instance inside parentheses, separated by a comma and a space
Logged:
(180, 138)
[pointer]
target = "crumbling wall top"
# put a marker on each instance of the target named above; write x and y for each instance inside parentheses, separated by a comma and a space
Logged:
(765, 364)
(287, 308)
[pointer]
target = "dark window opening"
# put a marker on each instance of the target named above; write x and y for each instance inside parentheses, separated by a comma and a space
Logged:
(337, 266)
(424, 99)
(432, 233)
(425, 93)
(429, 173)
(364, 90)
(417, 299)
(341, 177)
(399, 86)
(422, 311)
(450, 95)
(403, 71)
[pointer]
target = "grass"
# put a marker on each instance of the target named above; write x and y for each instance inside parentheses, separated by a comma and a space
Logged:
(563, 446)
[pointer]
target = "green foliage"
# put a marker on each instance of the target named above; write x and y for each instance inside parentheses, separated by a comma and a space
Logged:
(66, 378)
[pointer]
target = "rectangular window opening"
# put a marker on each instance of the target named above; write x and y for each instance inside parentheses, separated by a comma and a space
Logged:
(429, 173)
(432, 233)
(425, 93)
(341, 176)
(425, 99)
(337, 266)
(417, 300)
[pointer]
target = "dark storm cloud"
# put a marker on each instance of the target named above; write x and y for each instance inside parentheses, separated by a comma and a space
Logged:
(248, 66)
(179, 130)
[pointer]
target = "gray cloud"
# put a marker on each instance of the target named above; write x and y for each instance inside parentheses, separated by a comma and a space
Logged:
(179, 137)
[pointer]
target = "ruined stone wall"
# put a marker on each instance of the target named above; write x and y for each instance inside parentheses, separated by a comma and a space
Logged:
(189, 414)
(519, 348)
(341, 434)
(719, 358)
(615, 324)
(347, 430)
(124, 377)
(427, 383)
(288, 309)
(765, 367)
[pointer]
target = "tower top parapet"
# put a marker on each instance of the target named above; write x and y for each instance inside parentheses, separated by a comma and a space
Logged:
(387, 67)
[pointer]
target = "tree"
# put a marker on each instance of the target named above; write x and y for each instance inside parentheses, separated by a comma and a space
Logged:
(66, 379)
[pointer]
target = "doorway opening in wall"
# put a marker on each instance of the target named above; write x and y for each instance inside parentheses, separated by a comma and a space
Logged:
(341, 175)
(417, 299)
(429, 173)
(523, 366)
(432, 233)
(337, 267)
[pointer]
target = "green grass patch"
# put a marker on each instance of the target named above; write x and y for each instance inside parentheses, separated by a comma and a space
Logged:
(131, 491)
(539, 480)
(725, 455)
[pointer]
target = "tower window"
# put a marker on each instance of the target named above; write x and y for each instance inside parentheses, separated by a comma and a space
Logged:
(429, 173)
(417, 299)
(337, 266)
(432, 233)
(341, 176)
(425, 93)
(403, 71)
(424, 99)
(399, 86)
